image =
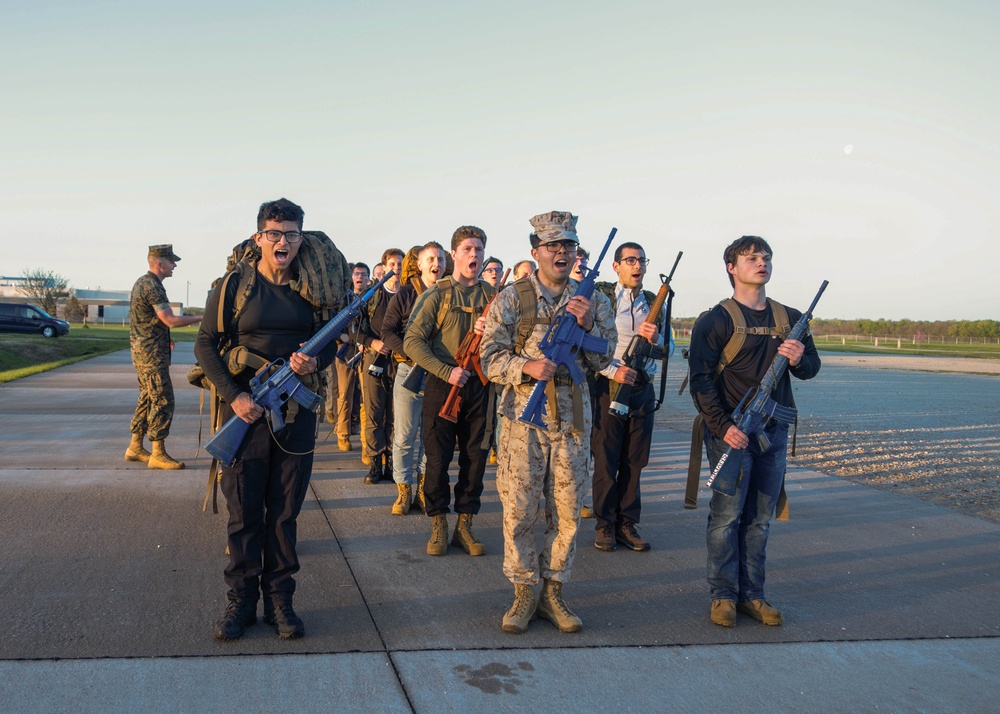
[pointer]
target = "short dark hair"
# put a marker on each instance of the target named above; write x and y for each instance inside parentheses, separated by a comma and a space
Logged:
(432, 244)
(280, 210)
(535, 240)
(582, 253)
(359, 264)
(389, 252)
(621, 249)
(742, 246)
(465, 232)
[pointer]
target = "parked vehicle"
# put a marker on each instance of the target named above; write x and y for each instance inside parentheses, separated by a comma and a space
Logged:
(18, 317)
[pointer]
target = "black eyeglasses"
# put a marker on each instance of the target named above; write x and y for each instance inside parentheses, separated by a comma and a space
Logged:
(567, 245)
(632, 261)
(492, 270)
(291, 237)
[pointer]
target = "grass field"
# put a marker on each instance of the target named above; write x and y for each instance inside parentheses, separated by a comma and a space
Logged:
(888, 346)
(23, 355)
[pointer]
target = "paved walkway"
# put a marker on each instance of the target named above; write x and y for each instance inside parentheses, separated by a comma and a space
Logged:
(112, 576)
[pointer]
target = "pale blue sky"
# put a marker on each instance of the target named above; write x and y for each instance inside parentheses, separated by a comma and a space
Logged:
(685, 125)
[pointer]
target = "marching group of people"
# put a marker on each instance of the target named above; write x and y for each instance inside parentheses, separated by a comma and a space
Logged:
(400, 366)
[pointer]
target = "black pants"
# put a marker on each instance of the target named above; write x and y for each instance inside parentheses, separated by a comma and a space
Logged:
(439, 445)
(378, 405)
(264, 493)
(621, 451)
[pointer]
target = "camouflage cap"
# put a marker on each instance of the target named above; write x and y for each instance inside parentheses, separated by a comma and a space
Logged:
(555, 226)
(165, 250)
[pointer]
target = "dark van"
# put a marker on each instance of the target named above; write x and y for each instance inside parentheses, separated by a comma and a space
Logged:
(17, 317)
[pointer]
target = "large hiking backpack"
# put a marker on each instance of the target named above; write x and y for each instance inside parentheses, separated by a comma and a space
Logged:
(321, 276)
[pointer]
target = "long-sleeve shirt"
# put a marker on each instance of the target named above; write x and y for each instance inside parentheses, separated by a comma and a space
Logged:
(717, 397)
(631, 310)
(433, 346)
(397, 314)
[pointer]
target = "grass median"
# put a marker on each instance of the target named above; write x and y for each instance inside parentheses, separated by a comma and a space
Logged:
(24, 355)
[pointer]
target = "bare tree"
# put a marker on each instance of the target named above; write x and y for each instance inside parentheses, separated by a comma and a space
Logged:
(45, 288)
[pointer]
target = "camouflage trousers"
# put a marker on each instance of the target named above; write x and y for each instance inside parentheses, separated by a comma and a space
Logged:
(533, 465)
(155, 408)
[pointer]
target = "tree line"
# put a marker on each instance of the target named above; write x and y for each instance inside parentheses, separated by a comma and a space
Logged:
(909, 329)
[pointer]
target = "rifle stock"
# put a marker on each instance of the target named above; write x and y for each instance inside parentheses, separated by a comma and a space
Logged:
(562, 341)
(275, 383)
(751, 421)
(467, 358)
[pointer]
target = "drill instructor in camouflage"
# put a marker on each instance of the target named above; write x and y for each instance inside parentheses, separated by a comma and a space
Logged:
(534, 463)
(150, 318)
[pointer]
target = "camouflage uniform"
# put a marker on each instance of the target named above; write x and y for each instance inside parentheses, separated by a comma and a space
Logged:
(149, 340)
(533, 463)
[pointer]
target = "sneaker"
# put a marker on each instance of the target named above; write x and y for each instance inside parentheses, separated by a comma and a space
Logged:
(605, 539)
(761, 611)
(283, 617)
(628, 536)
(723, 613)
(586, 511)
(239, 615)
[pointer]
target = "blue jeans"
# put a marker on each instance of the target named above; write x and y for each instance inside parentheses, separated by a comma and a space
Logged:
(738, 524)
(407, 444)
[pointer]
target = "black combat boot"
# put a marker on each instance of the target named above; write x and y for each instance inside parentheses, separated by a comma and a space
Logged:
(279, 614)
(375, 472)
(239, 615)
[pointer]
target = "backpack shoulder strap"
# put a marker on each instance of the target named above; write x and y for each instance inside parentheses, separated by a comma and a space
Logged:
(529, 311)
(446, 287)
(739, 335)
(782, 326)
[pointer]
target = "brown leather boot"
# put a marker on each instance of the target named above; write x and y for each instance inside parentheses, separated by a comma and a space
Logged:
(438, 543)
(160, 459)
(402, 505)
(418, 493)
(553, 608)
(464, 538)
(136, 451)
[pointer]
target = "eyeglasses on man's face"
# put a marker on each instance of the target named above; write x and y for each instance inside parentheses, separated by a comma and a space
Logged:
(567, 245)
(291, 237)
(492, 270)
(632, 261)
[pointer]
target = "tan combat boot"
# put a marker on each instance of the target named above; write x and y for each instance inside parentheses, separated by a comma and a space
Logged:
(402, 505)
(160, 459)
(438, 544)
(464, 538)
(136, 451)
(553, 608)
(418, 493)
(522, 611)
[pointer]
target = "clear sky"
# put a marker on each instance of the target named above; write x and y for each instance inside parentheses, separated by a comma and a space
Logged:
(861, 139)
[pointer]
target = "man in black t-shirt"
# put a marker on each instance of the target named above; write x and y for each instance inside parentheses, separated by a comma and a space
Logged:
(267, 485)
(738, 524)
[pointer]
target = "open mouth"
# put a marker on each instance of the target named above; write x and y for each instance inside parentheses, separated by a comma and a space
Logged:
(474, 267)
(561, 264)
(281, 255)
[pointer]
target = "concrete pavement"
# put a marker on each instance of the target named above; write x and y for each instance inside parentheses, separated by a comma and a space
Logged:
(112, 576)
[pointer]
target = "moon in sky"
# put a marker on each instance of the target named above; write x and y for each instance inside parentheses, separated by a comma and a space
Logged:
(849, 149)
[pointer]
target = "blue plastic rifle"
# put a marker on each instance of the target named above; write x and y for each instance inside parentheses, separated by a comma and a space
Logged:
(562, 341)
(275, 383)
(760, 409)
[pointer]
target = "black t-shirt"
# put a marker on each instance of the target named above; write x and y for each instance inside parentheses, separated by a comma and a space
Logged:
(716, 398)
(274, 323)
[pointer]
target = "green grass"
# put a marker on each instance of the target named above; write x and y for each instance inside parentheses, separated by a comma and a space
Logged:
(24, 355)
(888, 346)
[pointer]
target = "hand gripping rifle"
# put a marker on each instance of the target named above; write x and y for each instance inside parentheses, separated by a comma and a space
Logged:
(275, 383)
(468, 359)
(640, 349)
(761, 408)
(562, 341)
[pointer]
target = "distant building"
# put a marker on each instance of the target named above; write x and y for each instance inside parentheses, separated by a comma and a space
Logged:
(101, 306)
